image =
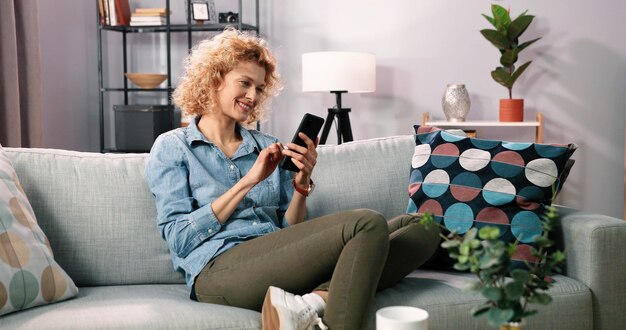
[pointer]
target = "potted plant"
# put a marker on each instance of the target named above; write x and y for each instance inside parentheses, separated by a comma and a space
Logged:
(509, 291)
(505, 37)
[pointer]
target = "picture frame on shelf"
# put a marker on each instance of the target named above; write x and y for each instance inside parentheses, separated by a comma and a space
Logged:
(200, 11)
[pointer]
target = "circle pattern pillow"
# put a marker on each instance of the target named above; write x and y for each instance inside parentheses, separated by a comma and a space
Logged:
(29, 275)
(467, 182)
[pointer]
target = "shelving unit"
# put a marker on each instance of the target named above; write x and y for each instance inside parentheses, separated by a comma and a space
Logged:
(538, 124)
(168, 29)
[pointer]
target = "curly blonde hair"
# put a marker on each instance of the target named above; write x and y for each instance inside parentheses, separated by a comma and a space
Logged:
(208, 63)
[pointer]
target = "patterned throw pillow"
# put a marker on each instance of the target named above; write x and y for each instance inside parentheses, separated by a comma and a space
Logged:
(466, 182)
(29, 276)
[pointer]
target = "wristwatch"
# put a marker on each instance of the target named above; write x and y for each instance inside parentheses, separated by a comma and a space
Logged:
(304, 191)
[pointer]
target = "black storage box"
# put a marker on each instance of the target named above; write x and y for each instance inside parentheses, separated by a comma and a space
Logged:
(137, 125)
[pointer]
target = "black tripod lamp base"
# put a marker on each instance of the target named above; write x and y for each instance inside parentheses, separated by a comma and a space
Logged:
(344, 130)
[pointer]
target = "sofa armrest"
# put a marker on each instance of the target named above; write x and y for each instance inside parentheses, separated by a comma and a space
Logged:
(594, 246)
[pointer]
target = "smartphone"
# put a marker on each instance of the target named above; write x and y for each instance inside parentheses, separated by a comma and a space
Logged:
(311, 126)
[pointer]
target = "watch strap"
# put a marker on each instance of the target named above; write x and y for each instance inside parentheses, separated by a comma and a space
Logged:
(303, 191)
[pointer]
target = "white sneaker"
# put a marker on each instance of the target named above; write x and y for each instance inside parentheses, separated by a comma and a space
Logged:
(285, 311)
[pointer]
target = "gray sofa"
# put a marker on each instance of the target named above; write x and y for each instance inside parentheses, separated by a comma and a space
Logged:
(100, 219)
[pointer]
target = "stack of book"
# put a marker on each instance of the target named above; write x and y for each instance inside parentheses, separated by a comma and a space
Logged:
(147, 16)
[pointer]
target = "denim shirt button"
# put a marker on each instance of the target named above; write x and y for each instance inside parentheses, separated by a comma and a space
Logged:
(254, 223)
(232, 167)
(210, 231)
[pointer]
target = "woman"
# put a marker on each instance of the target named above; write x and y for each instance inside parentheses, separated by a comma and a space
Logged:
(234, 220)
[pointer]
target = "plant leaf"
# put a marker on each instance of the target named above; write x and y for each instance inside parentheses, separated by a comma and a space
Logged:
(518, 26)
(479, 311)
(514, 290)
(542, 241)
(464, 249)
(509, 57)
(487, 261)
(498, 316)
(541, 298)
(501, 17)
(521, 275)
(450, 243)
(461, 267)
(490, 19)
(489, 232)
(558, 256)
(475, 244)
(492, 293)
(526, 44)
(470, 235)
(518, 73)
(496, 38)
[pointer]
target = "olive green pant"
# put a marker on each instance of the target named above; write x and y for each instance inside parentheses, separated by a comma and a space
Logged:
(350, 254)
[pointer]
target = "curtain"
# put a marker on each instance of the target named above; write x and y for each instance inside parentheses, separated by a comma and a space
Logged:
(20, 75)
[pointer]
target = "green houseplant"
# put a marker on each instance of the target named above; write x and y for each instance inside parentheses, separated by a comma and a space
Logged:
(509, 291)
(505, 37)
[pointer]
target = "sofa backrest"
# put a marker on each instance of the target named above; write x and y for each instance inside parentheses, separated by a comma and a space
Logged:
(98, 214)
(370, 174)
(100, 217)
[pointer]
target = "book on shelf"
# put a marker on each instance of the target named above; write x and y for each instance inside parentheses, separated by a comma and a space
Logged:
(146, 23)
(103, 18)
(156, 19)
(122, 8)
(112, 14)
(149, 14)
(150, 10)
(105, 11)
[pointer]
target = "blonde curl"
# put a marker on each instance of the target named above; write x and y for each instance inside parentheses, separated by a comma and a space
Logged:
(208, 63)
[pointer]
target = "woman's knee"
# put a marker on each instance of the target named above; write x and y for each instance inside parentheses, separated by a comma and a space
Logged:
(372, 220)
(371, 215)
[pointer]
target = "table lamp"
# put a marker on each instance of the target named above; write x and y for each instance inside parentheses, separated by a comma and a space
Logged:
(338, 72)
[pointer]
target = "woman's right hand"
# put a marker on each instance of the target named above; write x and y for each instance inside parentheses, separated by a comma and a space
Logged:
(266, 163)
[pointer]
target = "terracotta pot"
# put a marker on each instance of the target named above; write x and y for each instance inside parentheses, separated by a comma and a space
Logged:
(511, 109)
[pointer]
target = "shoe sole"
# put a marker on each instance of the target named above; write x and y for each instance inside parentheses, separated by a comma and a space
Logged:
(270, 318)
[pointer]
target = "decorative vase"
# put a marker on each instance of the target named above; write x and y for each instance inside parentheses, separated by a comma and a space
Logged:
(511, 110)
(455, 102)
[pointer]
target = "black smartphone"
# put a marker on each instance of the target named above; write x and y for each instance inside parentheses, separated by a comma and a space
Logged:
(311, 126)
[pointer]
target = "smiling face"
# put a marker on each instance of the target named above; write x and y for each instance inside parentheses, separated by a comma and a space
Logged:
(240, 91)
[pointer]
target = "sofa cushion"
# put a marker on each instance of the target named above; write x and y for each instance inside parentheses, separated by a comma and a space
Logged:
(468, 182)
(134, 307)
(443, 295)
(29, 275)
(98, 214)
(344, 176)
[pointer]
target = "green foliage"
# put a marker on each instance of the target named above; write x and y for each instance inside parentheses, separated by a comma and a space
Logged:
(505, 37)
(508, 291)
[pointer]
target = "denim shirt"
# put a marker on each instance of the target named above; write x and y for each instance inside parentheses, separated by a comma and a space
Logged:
(186, 173)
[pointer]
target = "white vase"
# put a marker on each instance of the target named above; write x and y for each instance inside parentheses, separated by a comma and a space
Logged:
(455, 102)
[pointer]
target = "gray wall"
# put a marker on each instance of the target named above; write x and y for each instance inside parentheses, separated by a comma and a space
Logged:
(69, 71)
(577, 77)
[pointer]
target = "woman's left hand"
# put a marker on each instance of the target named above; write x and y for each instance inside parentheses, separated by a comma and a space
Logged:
(304, 158)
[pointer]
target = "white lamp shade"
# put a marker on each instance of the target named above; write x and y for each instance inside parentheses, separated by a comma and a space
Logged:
(338, 71)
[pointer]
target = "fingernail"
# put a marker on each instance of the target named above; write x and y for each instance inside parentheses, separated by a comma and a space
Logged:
(285, 147)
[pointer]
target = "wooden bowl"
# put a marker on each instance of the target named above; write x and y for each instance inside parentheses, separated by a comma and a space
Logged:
(146, 80)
